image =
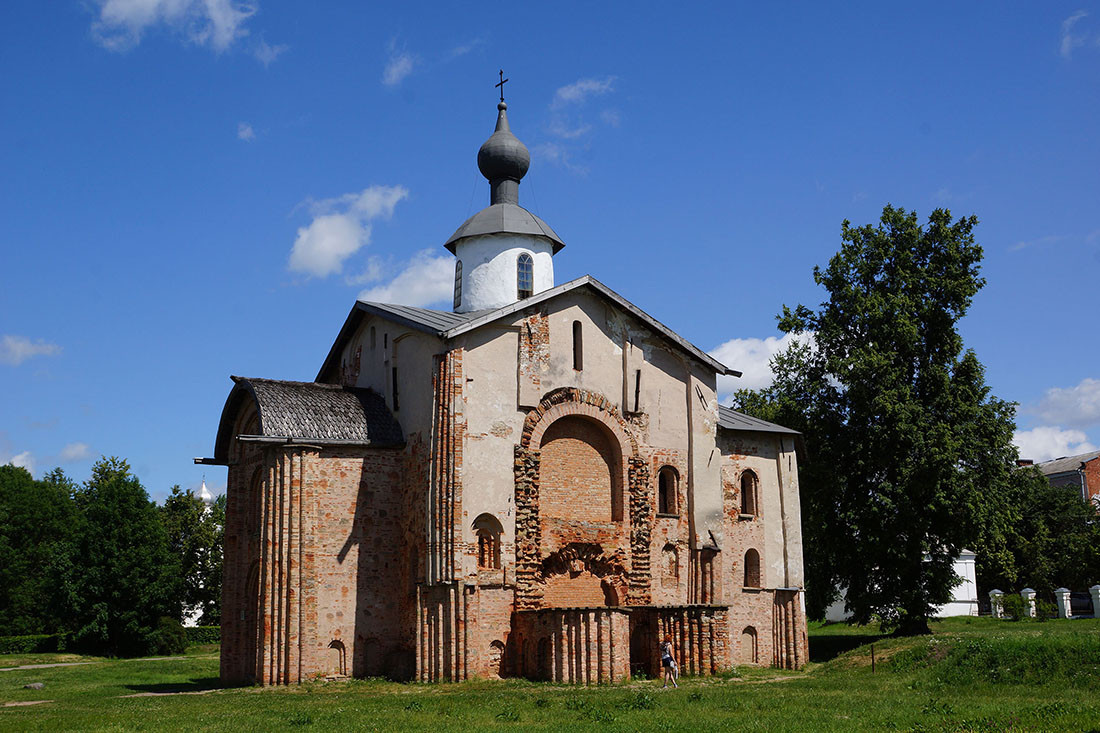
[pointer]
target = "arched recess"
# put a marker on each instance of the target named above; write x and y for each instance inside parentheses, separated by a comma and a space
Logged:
(630, 510)
(581, 472)
(496, 659)
(488, 530)
(749, 651)
(581, 574)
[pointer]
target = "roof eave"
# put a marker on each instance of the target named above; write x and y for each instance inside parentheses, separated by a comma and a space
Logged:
(606, 292)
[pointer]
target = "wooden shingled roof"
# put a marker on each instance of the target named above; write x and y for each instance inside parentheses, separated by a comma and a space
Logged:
(309, 412)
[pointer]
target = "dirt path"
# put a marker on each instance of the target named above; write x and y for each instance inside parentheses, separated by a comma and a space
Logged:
(24, 703)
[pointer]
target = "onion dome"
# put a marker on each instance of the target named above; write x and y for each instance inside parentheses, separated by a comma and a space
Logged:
(504, 160)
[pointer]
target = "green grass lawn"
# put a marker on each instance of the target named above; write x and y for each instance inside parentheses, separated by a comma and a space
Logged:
(973, 675)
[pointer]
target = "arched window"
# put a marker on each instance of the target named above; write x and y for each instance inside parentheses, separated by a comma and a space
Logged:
(578, 347)
(750, 494)
(488, 531)
(667, 481)
(458, 283)
(525, 276)
(752, 569)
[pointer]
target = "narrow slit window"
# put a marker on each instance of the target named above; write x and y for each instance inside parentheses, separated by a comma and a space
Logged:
(578, 347)
(393, 377)
(458, 283)
(637, 390)
(373, 338)
(525, 278)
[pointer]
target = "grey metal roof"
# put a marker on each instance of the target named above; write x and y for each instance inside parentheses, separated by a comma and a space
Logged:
(448, 325)
(1066, 463)
(423, 319)
(734, 420)
(504, 218)
(601, 289)
(310, 412)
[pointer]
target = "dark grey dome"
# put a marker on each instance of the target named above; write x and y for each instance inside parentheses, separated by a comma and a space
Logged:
(503, 156)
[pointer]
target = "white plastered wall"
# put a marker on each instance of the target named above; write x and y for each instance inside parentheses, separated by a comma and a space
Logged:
(489, 268)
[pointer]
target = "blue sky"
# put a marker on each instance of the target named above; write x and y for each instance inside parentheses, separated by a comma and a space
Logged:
(198, 188)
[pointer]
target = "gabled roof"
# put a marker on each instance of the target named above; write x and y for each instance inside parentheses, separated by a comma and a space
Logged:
(447, 325)
(1066, 463)
(309, 412)
(733, 420)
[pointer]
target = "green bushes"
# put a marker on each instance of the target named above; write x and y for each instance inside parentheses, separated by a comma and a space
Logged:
(33, 643)
(204, 634)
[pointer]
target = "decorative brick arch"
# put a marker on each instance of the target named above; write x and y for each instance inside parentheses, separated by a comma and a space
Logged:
(572, 401)
(560, 403)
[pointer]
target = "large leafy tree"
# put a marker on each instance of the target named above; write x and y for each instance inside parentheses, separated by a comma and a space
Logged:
(35, 522)
(909, 455)
(123, 576)
(195, 535)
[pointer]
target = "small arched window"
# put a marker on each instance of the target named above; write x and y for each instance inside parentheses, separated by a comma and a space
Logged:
(750, 494)
(525, 276)
(667, 481)
(458, 283)
(752, 569)
(488, 531)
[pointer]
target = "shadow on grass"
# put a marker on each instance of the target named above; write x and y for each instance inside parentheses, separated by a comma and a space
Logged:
(197, 684)
(824, 647)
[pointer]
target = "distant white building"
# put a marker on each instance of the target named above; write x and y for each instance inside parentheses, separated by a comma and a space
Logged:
(964, 598)
(191, 616)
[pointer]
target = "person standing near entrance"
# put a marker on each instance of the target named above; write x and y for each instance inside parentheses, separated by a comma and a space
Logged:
(668, 664)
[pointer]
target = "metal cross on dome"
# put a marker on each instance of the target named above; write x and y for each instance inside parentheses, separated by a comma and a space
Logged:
(501, 84)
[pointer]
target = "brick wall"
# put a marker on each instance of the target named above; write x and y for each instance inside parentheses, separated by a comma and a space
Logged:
(578, 468)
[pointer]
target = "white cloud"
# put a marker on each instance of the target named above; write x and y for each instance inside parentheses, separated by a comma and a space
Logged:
(74, 452)
(399, 66)
(465, 48)
(1037, 242)
(245, 132)
(580, 90)
(217, 23)
(23, 460)
(1069, 40)
(1077, 406)
(1046, 442)
(266, 54)
(425, 279)
(610, 117)
(15, 350)
(752, 357)
(340, 227)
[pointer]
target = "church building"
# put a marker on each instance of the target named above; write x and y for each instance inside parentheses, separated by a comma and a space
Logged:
(539, 483)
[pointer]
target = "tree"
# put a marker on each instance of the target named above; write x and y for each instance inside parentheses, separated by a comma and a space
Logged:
(123, 577)
(35, 521)
(1053, 540)
(195, 537)
(909, 455)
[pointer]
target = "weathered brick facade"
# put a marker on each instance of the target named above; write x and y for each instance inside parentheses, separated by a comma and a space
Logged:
(544, 488)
